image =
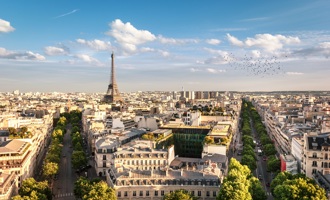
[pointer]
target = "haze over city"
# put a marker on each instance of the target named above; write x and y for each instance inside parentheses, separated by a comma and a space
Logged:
(165, 45)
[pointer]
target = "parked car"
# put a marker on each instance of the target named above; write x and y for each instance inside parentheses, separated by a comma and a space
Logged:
(260, 177)
(267, 184)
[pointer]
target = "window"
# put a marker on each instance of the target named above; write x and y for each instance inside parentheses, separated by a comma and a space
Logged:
(125, 194)
(104, 164)
(199, 193)
(314, 155)
(134, 193)
(214, 193)
(314, 164)
(147, 193)
(162, 193)
(119, 194)
(193, 193)
(314, 171)
(104, 157)
(207, 193)
(141, 193)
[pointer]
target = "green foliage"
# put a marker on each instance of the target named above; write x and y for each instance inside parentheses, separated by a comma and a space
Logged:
(264, 139)
(179, 195)
(273, 164)
(269, 149)
(249, 161)
(93, 190)
(78, 159)
(298, 186)
(148, 136)
(50, 169)
(33, 190)
(256, 190)
(240, 184)
(208, 140)
(248, 140)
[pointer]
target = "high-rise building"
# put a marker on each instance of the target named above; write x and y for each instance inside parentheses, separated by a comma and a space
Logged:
(112, 95)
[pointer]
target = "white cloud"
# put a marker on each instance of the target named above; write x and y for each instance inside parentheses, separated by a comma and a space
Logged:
(147, 49)
(234, 41)
(270, 42)
(88, 59)
(215, 71)
(5, 26)
(222, 57)
(164, 53)
(173, 41)
(127, 36)
(55, 51)
(213, 41)
(28, 55)
(294, 73)
(267, 42)
(96, 44)
(194, 70)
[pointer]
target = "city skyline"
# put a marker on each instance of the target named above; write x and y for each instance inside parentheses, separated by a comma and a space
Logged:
(66, 46)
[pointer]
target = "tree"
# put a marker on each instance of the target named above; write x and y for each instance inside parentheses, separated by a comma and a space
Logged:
(299, 188)
(34, 190)
(208, 140)
(179, 195)
(234, 191)
(249, 161)
(58, 133)
(237, 184)
(78, 159)
(256, 190)
(24, 129)
(81, 187)
(269, 149)
(50, 169)
(93, 190)
(12, 131)
(273, 164)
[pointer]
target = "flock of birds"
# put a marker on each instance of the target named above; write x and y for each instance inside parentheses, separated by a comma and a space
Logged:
(260, 66)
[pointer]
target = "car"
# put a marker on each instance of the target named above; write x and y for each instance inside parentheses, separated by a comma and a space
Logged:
(267, 184)
(260, 177)
(264, 158)
(64, 156)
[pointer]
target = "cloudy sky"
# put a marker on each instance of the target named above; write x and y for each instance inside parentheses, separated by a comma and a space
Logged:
(255, 45)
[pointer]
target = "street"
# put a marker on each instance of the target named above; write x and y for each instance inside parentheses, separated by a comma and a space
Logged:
(261, 166)
(64, 185)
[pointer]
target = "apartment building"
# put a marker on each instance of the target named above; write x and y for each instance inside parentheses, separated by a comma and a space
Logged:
(316, 154)
(141, 172)
(15, 160)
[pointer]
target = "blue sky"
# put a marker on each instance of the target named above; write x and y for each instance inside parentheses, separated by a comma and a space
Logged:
(65, 45)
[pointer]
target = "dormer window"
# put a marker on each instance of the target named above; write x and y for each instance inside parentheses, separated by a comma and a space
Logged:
(104, 150)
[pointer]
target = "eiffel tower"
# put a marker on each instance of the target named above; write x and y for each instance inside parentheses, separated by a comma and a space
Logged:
(112, 95)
